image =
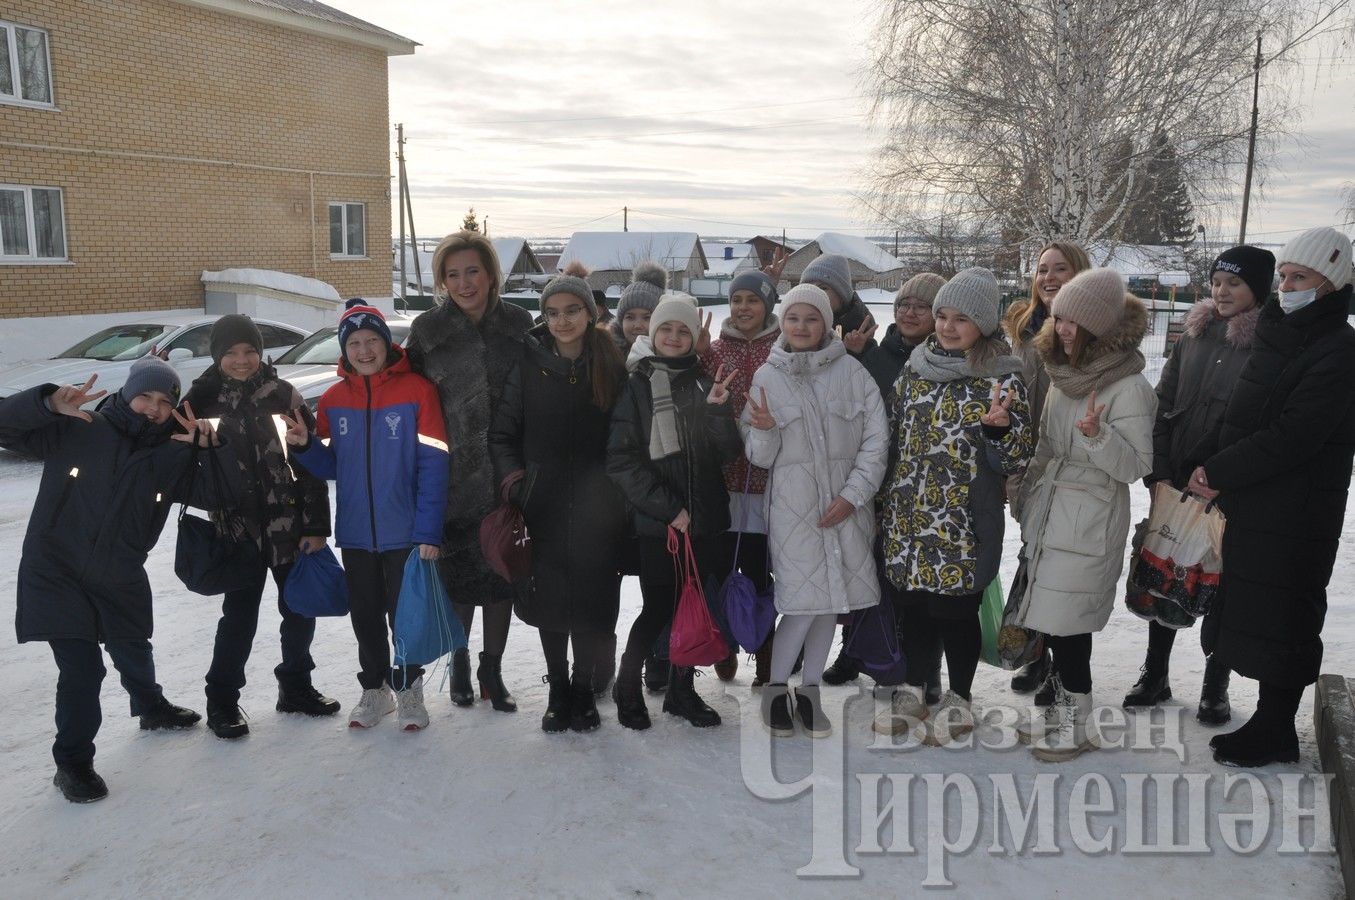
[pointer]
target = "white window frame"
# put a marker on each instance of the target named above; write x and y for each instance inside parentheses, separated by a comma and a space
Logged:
(30, 220)
(17, 98)
(344, 205)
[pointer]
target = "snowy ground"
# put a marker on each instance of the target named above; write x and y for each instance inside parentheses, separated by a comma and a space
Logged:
(485, 803)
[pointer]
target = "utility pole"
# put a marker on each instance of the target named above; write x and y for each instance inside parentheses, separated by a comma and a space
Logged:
(400, 201)
(896, 243)
(407, 206)
(625, 218)
(1251, 142)
(486, 226)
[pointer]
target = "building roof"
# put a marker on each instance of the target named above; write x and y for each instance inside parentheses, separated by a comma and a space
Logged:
(621, 250)
(857, 249)
(509, 249)
(313, 17)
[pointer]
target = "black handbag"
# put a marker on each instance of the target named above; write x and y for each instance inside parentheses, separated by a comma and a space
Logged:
(206, 562)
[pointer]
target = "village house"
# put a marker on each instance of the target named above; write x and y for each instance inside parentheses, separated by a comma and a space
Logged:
(611, 255)
(145, 141)
(871, 266)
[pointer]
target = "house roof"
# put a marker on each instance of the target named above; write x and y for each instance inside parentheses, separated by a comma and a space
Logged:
(508, 249)
(857, 249)
(613, 250)
(315, 18)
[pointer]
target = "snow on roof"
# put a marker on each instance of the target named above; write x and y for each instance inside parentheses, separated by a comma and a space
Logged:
(1139, 260)
(612, 250)
(859, 249)
(278, 281)
(309, 15)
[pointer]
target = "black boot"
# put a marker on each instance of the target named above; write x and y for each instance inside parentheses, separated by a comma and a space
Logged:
(307, 701)
(776, 710)
(80, 783)
(491, 684)
(1033, 676)
(583, 710)
(843, 669)
(656, 675)
(1263, 740)
(933, 693)
(604, 669)
(557, 714)
(683, 701)
(1214, 708)
(629, 698)
(762, 664)
(1046, 694)
(462, 693)
(227, 721)
(1151, 688)
(166, 715)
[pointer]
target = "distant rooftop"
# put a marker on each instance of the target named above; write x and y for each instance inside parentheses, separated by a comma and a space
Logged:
(316, 18)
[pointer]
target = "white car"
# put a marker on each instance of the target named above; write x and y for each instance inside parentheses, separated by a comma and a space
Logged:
(312, 366)
(110, 353)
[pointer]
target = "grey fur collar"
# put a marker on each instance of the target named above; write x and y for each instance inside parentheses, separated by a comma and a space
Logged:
(1241, 327)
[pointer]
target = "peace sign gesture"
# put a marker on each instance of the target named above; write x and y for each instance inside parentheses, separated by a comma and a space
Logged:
(999, 406)
(856, 340)
(760, 414)
(1090, 425)
(198, 432)
(297, 432)
(719, 392)
(774, 268)
(68, 400)
(703, 339)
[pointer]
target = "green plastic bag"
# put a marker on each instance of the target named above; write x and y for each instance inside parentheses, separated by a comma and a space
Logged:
(990, 618)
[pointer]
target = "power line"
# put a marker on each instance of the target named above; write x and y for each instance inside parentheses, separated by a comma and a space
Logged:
(670, 115)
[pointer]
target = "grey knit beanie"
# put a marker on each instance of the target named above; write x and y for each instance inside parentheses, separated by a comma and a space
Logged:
(1094, 299)
(1324, 250)
(973, 293)
(923, 286)
(151, 373)
(757, 282)
(574, 286)
(648, 282)
(832, 270)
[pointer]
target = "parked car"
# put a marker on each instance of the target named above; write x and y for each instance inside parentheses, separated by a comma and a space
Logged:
(313, 365)
(109, 353)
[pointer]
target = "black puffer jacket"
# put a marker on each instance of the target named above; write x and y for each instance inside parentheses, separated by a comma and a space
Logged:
(280, 502)
(850, 317)
(1283, 471)
(107, 488)
(886, 361)
(658, 490)
(548, 426)
(1194, 388)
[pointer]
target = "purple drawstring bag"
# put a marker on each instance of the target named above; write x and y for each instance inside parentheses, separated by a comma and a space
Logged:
(874, 642)
(750, 614)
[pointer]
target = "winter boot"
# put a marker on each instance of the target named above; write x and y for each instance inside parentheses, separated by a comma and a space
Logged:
(726, 668)
(1214, 708)
(227, 721)
(809, 710)
(80, 783)
(1264, 739)
(907, 710)
(952, 721)
(776, 710)
(762, 664)
(1045, 696)
(683, 701)
(462, 693)
(557, 714)
(1151, 688)
(604, 669)
(491, 683)
(1070, 735)
(1041, 723)
(934, 684)
(843, 669)
(629, 696)
(166, 715)
(307, 701)
(1033, 676)
(412, 715)
(371, 707)
(583, 710)
(656, 675)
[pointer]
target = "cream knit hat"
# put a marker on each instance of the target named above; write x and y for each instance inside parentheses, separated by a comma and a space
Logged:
(1324, 250)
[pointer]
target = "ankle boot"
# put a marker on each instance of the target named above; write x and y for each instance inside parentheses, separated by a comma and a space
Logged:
(1151, 688)
(1214, 708)
(727, 668)
(462, 694)
(583, 709)
(683, 701)
(1263, 740)
(629, 696)
(604, 669)
(1033, 676)
(558, 705)
(491, 683)
(1047, 693)
(762, 664)
(843, 669)
(777, 715)
(656, 675)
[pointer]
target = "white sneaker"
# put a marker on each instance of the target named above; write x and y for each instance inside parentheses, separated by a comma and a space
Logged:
(375, 703)
(1070, 737)
(413, 714)
(952, 721)
(1043, 722)
(907, 707)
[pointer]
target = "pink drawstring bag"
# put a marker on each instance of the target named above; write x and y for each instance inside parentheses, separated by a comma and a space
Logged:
(694, 639)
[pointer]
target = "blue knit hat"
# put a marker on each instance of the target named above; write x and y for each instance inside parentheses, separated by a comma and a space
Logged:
(757, 282)
(359, 314)
(151, 373)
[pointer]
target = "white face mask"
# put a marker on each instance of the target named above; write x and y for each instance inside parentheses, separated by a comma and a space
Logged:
(1291, 301)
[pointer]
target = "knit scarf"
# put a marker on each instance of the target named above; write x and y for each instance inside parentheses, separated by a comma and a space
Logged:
(665, 439)
(1079, 381)
(930, 361)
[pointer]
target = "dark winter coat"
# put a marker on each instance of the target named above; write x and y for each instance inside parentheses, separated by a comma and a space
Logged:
(469, 365)
(886, 361)
(547, 426)
(107, 488)
(279, 502)
(659, 489)
(1194, 388)
(1283, 472)
(850, 317)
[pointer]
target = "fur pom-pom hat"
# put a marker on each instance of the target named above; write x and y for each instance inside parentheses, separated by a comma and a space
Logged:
(649, 280)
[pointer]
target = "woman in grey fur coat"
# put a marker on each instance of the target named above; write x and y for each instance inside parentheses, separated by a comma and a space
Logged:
(466, 346)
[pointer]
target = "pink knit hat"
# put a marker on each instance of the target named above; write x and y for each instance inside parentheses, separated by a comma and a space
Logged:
(1094, 299)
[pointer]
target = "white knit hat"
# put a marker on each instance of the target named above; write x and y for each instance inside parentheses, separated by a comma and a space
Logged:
(811, 294)
(1324, 250)
(676, 308)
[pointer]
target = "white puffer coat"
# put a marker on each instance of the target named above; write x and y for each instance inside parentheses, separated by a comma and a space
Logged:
(831, 439)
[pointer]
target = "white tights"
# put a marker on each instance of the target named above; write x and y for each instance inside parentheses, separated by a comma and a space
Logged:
(814, 634)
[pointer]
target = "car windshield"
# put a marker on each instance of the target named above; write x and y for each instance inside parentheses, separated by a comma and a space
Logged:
(115, 342)
(322, 348)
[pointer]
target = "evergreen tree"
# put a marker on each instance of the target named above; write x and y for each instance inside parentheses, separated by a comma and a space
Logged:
(469, 223)
(1160, 211)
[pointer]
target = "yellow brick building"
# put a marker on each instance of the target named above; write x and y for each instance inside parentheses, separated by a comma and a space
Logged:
(143, 141)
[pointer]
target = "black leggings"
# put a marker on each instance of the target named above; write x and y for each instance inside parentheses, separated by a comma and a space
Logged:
(1073, 661)
(555, 644)
(495, 620)
(659, 590)
(962, 640)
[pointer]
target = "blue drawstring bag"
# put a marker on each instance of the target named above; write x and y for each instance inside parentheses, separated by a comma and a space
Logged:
(425, 629)
(316, 586)
(747, 615)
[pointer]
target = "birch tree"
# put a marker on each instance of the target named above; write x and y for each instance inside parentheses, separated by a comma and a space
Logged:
(1015, 115)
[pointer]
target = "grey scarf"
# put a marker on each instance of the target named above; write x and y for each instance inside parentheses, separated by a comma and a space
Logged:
(664, 437)
(931, 362)
(1077, 382)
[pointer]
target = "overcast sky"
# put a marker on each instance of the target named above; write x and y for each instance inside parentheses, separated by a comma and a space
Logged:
(722, 118)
